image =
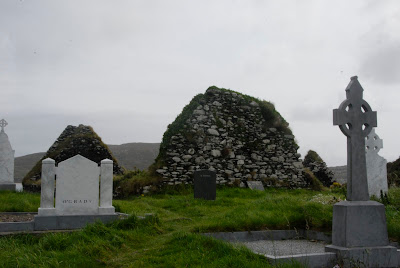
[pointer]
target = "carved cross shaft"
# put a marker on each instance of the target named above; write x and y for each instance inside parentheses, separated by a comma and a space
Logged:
(355, 119)
(3, 123)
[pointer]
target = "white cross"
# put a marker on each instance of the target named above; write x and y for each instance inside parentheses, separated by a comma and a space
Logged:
(3, 123)
(373, 143)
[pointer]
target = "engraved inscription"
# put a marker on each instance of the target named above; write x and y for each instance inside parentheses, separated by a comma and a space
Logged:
(76, 201)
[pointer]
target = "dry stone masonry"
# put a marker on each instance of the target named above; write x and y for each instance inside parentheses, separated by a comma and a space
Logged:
(318, 167)
(72, 141)
(239, 137)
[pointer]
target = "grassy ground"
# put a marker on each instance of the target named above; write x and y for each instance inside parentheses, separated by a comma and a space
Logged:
(171, 238)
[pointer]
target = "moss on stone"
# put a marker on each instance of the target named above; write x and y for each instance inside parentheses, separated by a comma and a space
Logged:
(312, 157)
(272, 119)
(72, 141)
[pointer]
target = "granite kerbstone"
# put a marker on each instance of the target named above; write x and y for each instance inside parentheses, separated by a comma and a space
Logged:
(205, 184)
(8, 187)
(67, 222)
(385, 256)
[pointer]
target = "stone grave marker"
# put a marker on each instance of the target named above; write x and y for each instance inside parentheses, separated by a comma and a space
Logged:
(205, 184)
(77, 187)
(255, 185)
(376, 165)
(359, 231)
(6, 160)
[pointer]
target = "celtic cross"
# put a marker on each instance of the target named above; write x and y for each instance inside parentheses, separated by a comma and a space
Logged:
(3, 123)
(355, 119)
(373, 143)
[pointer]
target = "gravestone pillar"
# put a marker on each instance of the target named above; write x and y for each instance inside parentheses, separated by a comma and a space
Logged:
(47, 188)
(376, 165)
(359, 231)
(106, 186)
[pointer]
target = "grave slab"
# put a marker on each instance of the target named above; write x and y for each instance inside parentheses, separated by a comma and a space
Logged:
(205, 184)
(255, 185)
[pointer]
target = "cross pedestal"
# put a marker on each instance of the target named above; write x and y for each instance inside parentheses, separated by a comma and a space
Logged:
(359, 231)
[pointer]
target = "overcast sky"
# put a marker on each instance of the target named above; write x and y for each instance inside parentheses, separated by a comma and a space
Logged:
(127, 68)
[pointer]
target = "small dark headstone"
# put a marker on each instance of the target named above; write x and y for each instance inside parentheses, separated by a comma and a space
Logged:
(255, 185)
(205, 184)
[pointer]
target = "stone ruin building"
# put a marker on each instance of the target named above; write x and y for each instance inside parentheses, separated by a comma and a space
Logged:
(72, 141)
(239, 137)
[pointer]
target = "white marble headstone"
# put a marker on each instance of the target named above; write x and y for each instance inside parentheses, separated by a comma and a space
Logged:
(376, 165)
(6, 157)
(77, 187)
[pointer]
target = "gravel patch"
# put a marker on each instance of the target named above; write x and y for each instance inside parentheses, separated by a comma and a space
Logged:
(285, 247)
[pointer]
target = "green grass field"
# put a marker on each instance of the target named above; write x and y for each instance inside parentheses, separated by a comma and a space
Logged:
(171, 238)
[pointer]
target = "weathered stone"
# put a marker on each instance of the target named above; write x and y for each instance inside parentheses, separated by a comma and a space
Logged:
(213, 132)
(161, 171)
(255, 185)
(254, 104)
(216, 103)
(176, 159)
(199, 112)
(298, 164)
(187, 157)
(216, 153)
(200, 160)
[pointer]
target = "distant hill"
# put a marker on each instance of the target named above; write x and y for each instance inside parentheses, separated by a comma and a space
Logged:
(136, 154)
(129, 155)
(24, 164)
(339, 174)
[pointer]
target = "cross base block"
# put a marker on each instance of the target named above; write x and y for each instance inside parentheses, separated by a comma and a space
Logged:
(359, 224)
(384, 256)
